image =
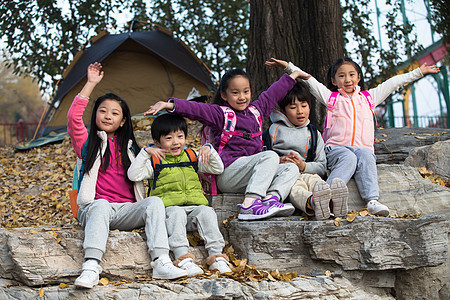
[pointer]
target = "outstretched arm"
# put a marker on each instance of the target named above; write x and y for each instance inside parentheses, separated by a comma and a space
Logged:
(278, 63)
(158, 106)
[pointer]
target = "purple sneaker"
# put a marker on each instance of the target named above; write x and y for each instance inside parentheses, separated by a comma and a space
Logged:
(257, 211)
(285, 209)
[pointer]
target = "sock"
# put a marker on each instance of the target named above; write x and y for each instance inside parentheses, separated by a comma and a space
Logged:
(310, 204)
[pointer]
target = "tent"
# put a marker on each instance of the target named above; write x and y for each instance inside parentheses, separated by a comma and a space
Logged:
(140, 67)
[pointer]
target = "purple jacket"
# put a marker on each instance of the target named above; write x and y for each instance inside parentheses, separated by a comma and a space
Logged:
(212, 115)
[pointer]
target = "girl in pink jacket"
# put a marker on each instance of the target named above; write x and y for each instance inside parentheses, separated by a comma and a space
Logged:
(349, 125)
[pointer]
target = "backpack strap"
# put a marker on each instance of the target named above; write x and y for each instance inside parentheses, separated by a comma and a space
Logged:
(369, 99)
(158, 166)
(230, 124)
(330, 104)
(312, 149)
(83, 163)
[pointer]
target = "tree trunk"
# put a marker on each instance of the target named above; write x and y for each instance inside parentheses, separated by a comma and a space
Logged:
(308, 33)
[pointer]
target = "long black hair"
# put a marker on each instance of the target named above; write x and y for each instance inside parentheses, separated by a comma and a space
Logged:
(123, 133)
(333, 69)
(225, 81)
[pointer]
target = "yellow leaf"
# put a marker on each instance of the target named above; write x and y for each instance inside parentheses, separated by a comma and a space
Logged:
(41, 293)
(364, 212)
(270, 277)
(336, 221)
(328, 273)
(32, 231)
(351, 217)
(54, 234)
(63, 285)
(420, 137)
(104, 281)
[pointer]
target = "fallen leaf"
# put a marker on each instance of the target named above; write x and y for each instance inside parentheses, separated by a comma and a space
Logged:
(63, 285)
(41, 293)
(104, 281)
(351, 217)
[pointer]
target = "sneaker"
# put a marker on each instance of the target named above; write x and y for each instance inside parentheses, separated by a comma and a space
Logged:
(321, 196)
(90, 275)
(339, 197)
(191, 268)
(221, 264)
(376, 208)
(257, 211)
(285, 209)
(163, 268)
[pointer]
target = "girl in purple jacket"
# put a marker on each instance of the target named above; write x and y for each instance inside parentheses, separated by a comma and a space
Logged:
(258, 175)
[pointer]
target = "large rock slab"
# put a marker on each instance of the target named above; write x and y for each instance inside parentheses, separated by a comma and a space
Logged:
(221, 288)
(44, 255)
(367, 243)
(402, 189)
(393, 145)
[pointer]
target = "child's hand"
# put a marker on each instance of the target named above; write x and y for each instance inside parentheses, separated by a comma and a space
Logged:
(158, 106)
(158, 152)
(428, 69)
(276, 63)
(204, 153)
(94, 73)
(295, 159)
(300, 74)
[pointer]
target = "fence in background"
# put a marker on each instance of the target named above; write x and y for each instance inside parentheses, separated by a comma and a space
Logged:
(13, 134)
(419, 121)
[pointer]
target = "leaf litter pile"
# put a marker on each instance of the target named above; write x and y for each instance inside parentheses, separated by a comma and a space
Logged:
(35, 185)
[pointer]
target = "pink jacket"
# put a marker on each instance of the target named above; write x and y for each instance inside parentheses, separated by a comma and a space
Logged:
(350, 120)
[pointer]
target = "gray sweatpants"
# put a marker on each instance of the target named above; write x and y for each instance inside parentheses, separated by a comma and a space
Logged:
(346, 162)
(180, 219)
(100, 216)
(258, 175)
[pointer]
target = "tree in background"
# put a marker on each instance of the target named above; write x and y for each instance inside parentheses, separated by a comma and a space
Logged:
(308, 33)
(43, 36)
(20, 98)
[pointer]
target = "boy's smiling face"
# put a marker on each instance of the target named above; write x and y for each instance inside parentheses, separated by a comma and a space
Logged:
(297, 112)
(173, 143)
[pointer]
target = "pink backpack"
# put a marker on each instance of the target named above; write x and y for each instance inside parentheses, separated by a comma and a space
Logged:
(229, 126)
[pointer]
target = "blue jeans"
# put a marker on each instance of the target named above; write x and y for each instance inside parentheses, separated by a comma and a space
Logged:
(346, 162)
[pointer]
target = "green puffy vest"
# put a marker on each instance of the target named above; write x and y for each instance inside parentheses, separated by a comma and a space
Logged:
(177, 185)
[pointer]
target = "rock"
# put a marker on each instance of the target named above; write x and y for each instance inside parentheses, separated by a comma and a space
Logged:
(402, 189)
(221, 288)
(364, 244)
(435, 158)
(393, 145)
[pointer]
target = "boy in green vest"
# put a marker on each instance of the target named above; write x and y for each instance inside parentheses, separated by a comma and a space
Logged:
(173, 170)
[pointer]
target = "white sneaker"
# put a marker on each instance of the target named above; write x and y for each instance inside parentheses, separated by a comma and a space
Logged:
(221, 264)
(189, 265)
(376, 208)
(321, 196)
(90, 275)
(163, 268)
(339, 197)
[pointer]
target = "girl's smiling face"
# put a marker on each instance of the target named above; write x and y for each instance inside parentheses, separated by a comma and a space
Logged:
(346, 78)
(238, 93)
(109, 117)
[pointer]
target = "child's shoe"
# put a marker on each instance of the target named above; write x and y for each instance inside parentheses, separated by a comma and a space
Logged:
(257, 211)
(163, 268)
(219, 262)
(321, 196)
(90, 275)
(189, 266)
(285, 209)
(376, 208)
(339, 197)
